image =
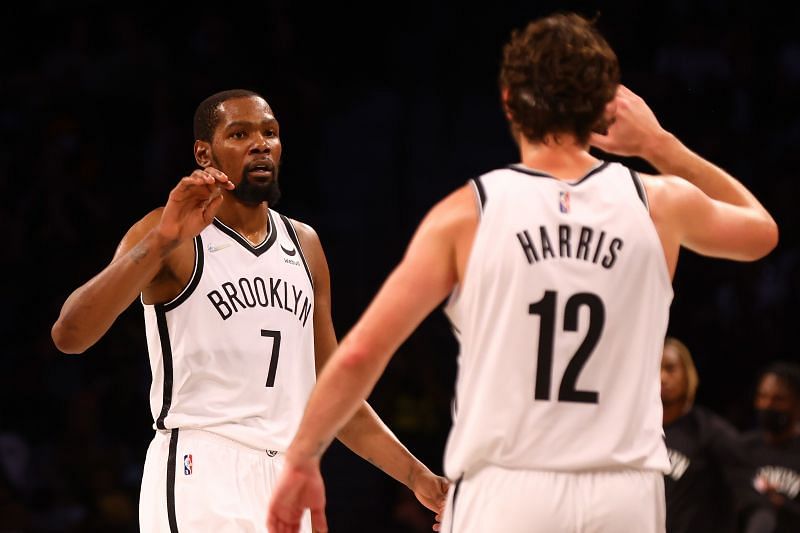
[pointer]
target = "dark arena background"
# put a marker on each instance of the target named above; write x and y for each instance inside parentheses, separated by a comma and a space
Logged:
(384, 108)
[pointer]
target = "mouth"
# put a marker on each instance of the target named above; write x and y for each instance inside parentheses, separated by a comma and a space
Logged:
(263, 169)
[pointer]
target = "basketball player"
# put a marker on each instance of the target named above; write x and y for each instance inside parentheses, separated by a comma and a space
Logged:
(559, 274)
(236, 300)
(775, 445)
(709, 485)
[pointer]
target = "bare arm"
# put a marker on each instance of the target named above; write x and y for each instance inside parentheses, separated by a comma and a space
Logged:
(710, 212)
(365, 433)
(142, 254)
(425, 276)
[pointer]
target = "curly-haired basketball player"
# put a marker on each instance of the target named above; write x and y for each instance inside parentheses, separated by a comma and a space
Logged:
(558, 270)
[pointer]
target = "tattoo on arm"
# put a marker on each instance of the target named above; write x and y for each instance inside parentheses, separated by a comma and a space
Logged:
(139, 252)
(142, 250)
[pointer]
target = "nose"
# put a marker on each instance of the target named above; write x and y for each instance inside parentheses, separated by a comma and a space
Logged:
(260, 144)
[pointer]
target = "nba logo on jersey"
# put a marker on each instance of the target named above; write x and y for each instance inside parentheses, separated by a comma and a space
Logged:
(563, 201)
(187, 465)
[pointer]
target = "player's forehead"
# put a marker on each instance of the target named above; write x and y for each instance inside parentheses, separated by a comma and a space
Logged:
(246, 109)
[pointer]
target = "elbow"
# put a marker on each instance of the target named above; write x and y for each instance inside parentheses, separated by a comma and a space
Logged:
(361, 356)
(768, 241)
(774, 237)
(355, 357)
(65, 339)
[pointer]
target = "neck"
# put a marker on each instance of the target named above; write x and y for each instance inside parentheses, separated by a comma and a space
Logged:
(250, 220)
(562, 157)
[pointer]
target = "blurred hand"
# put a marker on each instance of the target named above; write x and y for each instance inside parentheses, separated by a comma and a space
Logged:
(634, 127)
(299, 487)
(431, 491)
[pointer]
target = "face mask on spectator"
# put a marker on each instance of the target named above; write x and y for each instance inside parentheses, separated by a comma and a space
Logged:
(773, 421)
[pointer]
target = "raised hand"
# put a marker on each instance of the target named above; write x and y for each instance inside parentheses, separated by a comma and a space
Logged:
(192, 204)
(634, 127)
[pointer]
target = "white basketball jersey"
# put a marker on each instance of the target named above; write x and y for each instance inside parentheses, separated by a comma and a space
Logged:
(233, 354)
(561, 320)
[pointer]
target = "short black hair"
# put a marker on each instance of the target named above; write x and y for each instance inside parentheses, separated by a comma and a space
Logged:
(206, 116)
(787, 372)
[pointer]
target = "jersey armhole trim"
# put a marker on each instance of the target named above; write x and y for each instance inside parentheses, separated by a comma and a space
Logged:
(293, 235)
(480, 194)
(166, 360)
(194, 280)
(640, 190)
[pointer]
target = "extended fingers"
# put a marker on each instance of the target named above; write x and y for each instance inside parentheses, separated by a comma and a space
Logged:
(210, 176)
(220, 177)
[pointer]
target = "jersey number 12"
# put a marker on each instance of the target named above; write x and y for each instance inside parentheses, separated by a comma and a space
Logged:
(546, 309)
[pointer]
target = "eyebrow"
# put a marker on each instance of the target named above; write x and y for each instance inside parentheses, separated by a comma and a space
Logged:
(245, 123)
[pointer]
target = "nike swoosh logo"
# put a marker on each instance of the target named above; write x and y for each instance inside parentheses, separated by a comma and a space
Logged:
(288, 252)
(217, 247)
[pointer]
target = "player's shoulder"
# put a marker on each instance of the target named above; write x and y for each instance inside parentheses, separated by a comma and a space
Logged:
(305, 233)
(667, 185)
(458, 206)
(668, 193)
(459, 198)
(302, 229)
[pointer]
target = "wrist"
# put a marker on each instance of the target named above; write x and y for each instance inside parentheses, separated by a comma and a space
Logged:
(304, 455)
(655, 148)
(417, 472)
(163, 240)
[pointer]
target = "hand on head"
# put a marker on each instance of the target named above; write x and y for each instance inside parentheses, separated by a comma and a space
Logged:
(634, 127)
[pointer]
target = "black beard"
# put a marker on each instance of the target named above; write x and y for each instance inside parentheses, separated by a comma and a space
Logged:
(249, 193)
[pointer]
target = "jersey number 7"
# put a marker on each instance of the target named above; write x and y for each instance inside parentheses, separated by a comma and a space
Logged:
(546, 308)
(276, 350)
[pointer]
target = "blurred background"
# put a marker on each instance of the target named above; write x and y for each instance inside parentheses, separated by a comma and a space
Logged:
(384, 108)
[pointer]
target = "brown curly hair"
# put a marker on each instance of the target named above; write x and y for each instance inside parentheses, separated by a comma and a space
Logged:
(557, 76)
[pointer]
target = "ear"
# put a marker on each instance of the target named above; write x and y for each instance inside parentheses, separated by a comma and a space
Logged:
(202, 153)
(504, 100)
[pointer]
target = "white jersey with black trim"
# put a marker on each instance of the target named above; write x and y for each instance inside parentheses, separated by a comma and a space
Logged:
(561, 320)
(233, 354)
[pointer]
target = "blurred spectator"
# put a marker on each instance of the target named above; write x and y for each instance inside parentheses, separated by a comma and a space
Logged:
(775, 444)
(708, 488)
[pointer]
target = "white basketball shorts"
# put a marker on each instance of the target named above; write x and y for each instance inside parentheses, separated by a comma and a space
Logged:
(196, 481)
(531, 501)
